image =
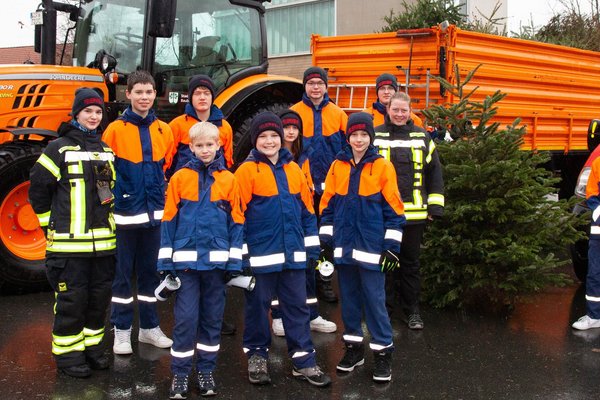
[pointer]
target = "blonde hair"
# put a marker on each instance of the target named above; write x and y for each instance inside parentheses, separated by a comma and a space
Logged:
(400, 96)
(204, 130)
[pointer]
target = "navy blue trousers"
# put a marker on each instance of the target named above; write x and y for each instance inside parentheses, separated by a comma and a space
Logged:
(363, 291)
(592, 282)
(137, 251)
(290, 288)
(199, 306)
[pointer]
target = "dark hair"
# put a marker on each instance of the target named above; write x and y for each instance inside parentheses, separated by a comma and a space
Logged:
(139, 76)
(290, 117)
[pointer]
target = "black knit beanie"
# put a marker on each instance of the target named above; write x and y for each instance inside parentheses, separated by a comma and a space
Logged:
(360, 121)
(290, 117)
(265, 121)
(201, 80)
(314, 72)
(386, 79)
(85, 97)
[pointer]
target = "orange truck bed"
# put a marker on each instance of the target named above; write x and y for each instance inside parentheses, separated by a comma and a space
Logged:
(552, 88)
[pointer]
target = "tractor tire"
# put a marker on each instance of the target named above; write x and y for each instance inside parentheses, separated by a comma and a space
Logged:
(241, 127)
(22, 241)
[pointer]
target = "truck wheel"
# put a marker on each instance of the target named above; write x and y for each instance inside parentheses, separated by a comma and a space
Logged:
(241, 134)
(22, 241)
(579, 258)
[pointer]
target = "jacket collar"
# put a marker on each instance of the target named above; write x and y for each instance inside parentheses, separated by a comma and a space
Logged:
(216, 115)
(309, 103)
(130, 116)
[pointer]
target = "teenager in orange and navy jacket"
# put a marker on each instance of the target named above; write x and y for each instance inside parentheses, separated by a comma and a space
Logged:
(201, 244)
(292, 140)
(200, 107)
(280, 235)
(323, 133)
(362, 217)
(143, 146)
(385, 86)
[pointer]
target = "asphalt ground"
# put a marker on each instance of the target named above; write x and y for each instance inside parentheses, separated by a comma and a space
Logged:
(530, 354)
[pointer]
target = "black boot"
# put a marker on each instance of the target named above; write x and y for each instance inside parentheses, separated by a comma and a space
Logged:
(325, 291)
(354, 356)
(383, 367)
(98, 363)
(76, 371)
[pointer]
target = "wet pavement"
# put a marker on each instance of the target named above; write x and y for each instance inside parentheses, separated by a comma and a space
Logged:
(532, 354)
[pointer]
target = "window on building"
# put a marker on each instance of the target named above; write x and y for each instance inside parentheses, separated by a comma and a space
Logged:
(291, 22)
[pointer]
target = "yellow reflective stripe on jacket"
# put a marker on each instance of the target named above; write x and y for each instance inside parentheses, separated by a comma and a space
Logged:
(44, 218)
(98, 233)
(47, 163)
(77, 195)
(82, 247)
(436, 199)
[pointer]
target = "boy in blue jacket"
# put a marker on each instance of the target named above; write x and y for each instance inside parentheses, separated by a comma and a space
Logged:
(201, 243)
(362, 217)
(280, 235)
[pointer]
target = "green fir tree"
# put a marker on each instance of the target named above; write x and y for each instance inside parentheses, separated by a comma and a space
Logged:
(502, 235)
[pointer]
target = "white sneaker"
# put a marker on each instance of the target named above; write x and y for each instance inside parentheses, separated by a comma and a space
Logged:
(155, 337)
(122, 344)
(586, 322)
(278, 327)
(320, 324)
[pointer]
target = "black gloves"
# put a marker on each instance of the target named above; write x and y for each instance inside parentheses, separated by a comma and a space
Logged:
(389, 261)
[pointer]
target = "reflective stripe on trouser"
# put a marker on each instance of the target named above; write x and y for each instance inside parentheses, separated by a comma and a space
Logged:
(198, 311)
(290, 288)
(137, 251)
(592, 282)
(363, 289)
(82, 287)
(311, 296)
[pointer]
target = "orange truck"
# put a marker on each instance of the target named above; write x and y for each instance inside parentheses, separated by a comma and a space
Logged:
(551, 88)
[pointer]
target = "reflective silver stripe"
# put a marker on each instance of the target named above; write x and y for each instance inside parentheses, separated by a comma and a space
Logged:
(393, 234)
(592, 298)
(244, 249)
(299, 354)
(323, 186)
(311, 300)
(299, 256)
(165, 252)
(267, 261)
(146, 299)
(311, 241)
(121, 300)
(71, 156)
(326, 230)
(274, 303)
(363, 256)
(378, 347)
(337, 252)
(205, 347)
(131, 219)
(80, 247)
(399, 143)
(595, 229)
(352, 338)
(218, 256)
(596, 213)
(101, 233)
(182, 354)
(158, 214)
(235, 253)
(183, 256)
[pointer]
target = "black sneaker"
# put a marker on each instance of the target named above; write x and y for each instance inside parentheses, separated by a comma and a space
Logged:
(383, 367)
(415, 322)
(354, 356)
(206, 384)
(313, 375)
(258, 372)
(76, 371)
(325, 291)
(179, 387)
(227, 328)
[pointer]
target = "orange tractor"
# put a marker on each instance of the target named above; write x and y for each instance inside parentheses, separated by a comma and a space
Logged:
(173, 40)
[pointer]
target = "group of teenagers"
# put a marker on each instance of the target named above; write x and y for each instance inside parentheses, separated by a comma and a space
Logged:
(317, 186)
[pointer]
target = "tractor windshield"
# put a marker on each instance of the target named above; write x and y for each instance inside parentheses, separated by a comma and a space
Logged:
(212, 37)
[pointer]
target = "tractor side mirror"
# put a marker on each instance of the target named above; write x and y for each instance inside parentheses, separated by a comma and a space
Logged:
(161, 18)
